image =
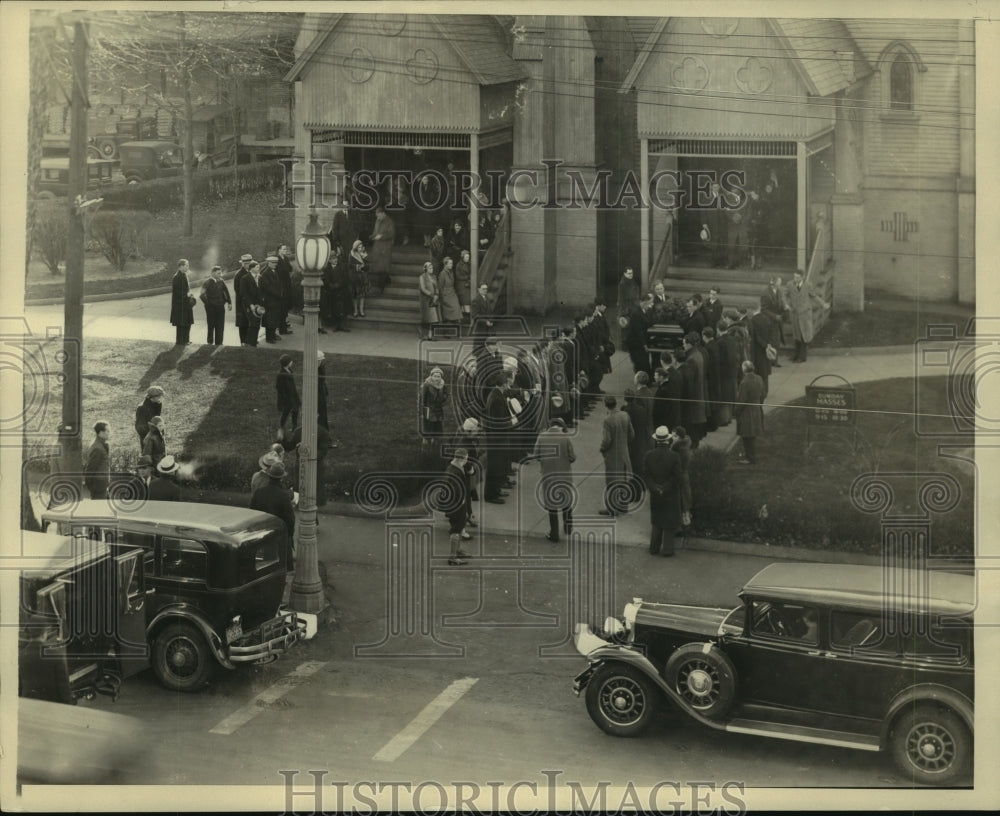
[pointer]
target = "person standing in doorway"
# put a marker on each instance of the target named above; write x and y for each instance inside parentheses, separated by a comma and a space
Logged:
(383, 238)
(215, 296)
(181, 304)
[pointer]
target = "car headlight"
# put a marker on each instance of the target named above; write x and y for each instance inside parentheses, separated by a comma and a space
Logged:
(631, 610)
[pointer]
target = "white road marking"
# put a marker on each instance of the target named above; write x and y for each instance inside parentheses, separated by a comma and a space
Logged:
(269, 695)
(425, 719)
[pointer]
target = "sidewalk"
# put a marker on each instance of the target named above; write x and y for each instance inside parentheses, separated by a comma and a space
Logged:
(146, 317)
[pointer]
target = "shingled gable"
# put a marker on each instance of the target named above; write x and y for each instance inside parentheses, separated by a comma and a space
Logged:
(476, 40)
(816, 46)
(813, 47)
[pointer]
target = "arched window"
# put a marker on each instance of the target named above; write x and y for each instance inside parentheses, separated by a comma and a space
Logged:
(901, 83)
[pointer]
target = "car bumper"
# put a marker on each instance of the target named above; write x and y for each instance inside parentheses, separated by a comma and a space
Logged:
(583, 678)
(269, 640)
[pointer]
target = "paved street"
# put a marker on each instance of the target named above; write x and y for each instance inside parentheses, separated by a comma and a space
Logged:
(324, 707)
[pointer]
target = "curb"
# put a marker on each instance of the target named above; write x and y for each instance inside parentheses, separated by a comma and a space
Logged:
(859, 350)
(137, 293)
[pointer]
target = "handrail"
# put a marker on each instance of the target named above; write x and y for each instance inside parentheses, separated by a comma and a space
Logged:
(490, 267)
(820, 271)
(654, 272)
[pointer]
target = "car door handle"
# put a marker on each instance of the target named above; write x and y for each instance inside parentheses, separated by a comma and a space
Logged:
(821, 654)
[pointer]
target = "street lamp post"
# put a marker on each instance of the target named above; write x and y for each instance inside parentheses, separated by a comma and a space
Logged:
(312, 250)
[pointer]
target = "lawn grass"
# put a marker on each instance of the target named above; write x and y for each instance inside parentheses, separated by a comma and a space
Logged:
(223, 231)
(876, 326)
(220, 411)
(808, 495)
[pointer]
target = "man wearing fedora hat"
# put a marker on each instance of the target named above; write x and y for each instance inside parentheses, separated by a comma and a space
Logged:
(273, 498)
(150, 407)
(554, 450)
(270, 290)
(241, 315)
(143, 478)
(253, 302)
(663, 478)
(163, 487)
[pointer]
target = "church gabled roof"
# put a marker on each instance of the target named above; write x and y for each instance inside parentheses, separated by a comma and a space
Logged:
(476, 38)
(818, 47)
(823, 51)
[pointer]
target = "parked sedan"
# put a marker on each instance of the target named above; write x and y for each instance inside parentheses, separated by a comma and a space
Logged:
(858, 657)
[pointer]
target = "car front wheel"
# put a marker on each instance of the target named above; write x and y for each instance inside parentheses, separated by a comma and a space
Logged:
(621, 700)
(931, 745)
(705, 678)
(181, 658)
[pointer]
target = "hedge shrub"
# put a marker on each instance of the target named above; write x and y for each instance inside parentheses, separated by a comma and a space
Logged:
(209, 185)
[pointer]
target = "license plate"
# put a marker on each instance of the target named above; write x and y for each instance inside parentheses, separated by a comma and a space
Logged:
(234, 632)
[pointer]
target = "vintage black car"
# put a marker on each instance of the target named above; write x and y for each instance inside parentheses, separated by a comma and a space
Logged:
(53, 179)
(214, 577)
(858, 657)
(144, 160)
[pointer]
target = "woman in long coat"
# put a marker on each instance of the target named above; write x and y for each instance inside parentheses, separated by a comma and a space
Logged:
(358, 270)
(433, 398)
(463, 278)
(451, 307)
(380, 259)
(181, 304)
(429, 300)
(750, 412)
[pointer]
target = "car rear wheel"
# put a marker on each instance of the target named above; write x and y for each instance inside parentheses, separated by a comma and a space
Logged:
(621, 700)
(931, 745)
(705, 678)
(181, 658)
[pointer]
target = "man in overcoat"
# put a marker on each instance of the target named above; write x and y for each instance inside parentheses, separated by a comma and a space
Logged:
(241, 315)
(215, 296)
(273, 498)
(284, 270)
(252, 299)
(696, 390)
(800, 300)
(616, 435)
(554, 451)
(763, 334)
(181, 304)
(146, 410)
(164, 487)
(640, 443)
(153, 445)
(270, 290)
(749, 412)
(97, 467)
(663, 478)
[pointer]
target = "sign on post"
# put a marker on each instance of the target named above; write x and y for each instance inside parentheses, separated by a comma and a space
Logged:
(831, 406)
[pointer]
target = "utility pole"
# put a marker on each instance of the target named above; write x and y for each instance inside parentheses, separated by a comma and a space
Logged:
(70, 430)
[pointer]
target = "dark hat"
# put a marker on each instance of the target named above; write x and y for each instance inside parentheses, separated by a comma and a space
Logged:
(284, 360)
(145, 461)
(167, 466)
(268, 459)
(277, 471)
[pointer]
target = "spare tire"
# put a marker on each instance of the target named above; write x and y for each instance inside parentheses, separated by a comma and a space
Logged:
(704, 677)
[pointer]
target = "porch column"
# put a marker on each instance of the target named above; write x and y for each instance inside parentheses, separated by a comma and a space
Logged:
(802, 205)
(474, 218)
(644, 215)
(848, 206)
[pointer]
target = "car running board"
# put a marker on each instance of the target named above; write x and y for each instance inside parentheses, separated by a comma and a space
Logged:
(801, 733)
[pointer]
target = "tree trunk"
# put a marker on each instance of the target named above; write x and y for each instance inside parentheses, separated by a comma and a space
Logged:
(39, 42)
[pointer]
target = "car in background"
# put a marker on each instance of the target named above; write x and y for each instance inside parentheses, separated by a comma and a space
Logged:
(214, 577)
(53, 177)
(150, 159)
(852, 656)
(105, 145)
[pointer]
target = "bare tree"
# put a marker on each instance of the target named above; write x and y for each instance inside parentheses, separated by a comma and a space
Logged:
(180, 60)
